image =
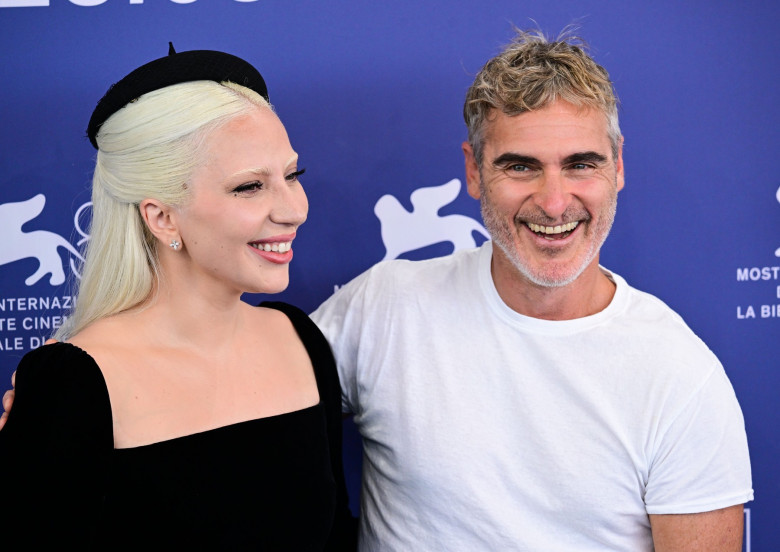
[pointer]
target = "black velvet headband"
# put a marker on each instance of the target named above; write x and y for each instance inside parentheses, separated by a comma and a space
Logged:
(174, 68)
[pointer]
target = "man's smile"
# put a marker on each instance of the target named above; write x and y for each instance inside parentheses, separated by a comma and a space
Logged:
(557, 232)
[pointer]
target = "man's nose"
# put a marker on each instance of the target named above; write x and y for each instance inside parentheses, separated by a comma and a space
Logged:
(552, 195)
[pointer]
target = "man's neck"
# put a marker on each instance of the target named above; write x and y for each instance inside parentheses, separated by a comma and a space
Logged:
(590, 293)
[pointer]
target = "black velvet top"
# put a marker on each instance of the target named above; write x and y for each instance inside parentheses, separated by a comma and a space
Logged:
(273, 483)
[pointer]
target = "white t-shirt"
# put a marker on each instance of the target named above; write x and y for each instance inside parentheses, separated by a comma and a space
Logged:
(487, 430)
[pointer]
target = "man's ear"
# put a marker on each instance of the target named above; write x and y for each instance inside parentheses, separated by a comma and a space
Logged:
(159, 219)
(472, 170)
(620, 171)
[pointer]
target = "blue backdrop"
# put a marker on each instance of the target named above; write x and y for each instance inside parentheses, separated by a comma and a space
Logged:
(371, 94)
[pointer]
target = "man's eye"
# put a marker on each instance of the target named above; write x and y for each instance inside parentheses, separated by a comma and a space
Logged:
(581, 169)
(518, 168)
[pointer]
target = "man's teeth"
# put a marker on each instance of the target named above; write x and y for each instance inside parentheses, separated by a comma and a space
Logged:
(279, 247)
(568, 227)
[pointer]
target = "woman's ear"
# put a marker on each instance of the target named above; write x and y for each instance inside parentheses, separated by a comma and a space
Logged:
(160, 220)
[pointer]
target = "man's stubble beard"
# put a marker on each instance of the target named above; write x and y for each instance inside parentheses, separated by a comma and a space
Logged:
(503, 235)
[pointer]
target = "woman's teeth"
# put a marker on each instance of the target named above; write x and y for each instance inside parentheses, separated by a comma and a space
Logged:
(279, 247)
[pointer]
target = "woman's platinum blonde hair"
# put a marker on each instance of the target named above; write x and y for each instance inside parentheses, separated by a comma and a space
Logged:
(146, 150)
(533, 72)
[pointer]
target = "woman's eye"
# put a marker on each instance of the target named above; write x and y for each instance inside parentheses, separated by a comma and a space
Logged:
(248, 187)
(293, 176)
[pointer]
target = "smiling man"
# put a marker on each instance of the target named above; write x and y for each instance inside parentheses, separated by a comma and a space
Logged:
(519, 396)
(548, 196)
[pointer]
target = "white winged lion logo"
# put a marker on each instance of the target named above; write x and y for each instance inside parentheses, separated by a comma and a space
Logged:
(404, 231)
(39, 244)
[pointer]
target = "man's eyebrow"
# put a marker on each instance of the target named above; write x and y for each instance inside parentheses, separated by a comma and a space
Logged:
(514, 158)
(584, 157)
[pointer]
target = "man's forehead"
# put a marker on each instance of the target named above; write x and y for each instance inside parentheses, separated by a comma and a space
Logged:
(560, 126)
(554, 112)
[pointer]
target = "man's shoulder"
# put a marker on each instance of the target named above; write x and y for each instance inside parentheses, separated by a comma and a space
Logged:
(418, 273)
(389, 284)
(644, 306)
(647, 314)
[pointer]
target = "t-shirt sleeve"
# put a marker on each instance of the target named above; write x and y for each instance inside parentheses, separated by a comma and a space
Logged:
(54, 450)
(702, 462)
(340, 319)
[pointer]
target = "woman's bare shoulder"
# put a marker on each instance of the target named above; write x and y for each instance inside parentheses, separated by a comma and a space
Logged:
(114, 341)
(101, 333)
(267, 317)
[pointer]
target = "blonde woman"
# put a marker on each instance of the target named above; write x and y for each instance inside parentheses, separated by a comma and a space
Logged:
(168, 412)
